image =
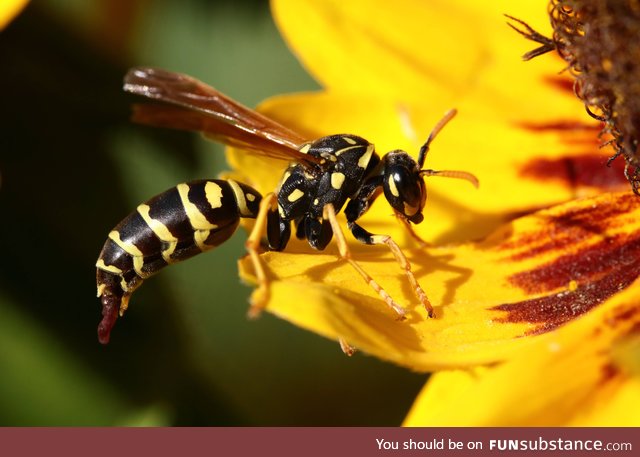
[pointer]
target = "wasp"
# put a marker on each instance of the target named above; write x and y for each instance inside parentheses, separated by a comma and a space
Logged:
(323, 175)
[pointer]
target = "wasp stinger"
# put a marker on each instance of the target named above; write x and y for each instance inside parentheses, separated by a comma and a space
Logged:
(197, 216)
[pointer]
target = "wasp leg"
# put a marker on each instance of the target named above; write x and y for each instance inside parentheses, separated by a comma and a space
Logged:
(364, 236)
(260, 296)
(406, 266)
(329, 213)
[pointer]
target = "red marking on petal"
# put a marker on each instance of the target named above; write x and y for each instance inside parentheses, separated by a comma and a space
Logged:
(562, 231)
(599, 270)
(609, 372)
(561, 83)
(584, 170)
(589, 169)
(566, 125)
(626, 322)
(629, 316)
(556, 309)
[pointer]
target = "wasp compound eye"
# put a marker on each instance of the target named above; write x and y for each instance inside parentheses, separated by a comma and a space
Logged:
(403, 186)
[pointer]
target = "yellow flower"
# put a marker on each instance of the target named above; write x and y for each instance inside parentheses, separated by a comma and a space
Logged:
(583, 374)
(523, 304)
(10, 9)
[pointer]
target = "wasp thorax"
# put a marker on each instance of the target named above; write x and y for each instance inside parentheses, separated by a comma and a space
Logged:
(403, 186)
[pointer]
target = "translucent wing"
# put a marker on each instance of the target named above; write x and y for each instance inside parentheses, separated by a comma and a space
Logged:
(189, 104)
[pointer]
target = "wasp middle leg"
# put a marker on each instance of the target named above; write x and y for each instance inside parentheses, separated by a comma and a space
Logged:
(260, 296)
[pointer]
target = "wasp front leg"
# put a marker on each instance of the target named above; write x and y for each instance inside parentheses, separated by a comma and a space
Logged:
(354, 210)
(368, 238)
(329, 214)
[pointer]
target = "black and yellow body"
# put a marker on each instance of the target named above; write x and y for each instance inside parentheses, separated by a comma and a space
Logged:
(322, 177)
(171, 227)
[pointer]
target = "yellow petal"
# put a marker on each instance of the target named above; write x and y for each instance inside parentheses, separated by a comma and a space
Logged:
(410, 48)
(10, 9)
(529, 277)
(584, 374)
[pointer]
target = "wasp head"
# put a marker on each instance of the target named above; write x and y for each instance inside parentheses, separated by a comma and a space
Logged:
(403, 185)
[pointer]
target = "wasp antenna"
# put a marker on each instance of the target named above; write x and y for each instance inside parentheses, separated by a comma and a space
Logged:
(441, 123)
(453, 174)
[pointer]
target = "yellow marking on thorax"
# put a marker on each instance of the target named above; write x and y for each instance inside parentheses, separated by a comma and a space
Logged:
(366, 157)
(349, 140)
(337, 179)
(392, 187)
(295, 195)
(285, 176)
(348, 148)
(196, 218)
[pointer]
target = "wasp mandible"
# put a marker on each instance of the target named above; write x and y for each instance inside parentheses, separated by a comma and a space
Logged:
(197, 216)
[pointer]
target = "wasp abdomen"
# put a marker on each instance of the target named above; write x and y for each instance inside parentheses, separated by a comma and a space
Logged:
(183, 221)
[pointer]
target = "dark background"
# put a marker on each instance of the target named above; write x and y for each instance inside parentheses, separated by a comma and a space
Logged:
(72, 166)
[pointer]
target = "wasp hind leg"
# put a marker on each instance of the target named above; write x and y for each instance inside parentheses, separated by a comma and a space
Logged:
(260, 296)
(329, 214)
